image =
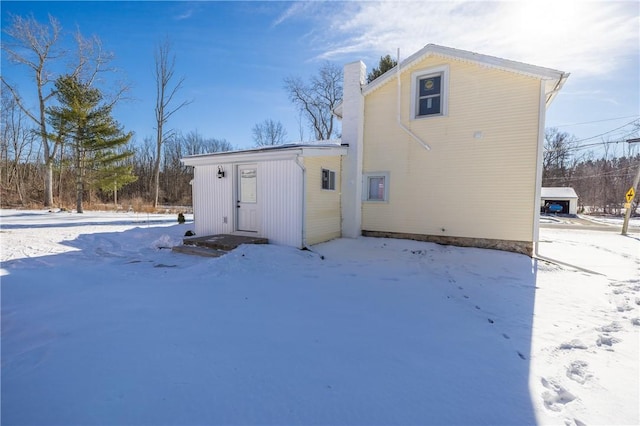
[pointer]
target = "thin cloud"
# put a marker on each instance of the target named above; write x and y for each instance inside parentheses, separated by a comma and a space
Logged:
(295, 10)
(185, 15)
(590, 38)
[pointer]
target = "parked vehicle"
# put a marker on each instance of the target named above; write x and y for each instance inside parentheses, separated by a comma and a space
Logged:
(555, 208)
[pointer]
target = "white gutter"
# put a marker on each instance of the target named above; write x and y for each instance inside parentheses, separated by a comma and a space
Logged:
(402, 126)
(304, 201)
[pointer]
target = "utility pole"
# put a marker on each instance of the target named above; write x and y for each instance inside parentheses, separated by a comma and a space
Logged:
(636, 180)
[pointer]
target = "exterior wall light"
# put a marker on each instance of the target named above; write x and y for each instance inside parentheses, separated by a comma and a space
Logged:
(220, 172)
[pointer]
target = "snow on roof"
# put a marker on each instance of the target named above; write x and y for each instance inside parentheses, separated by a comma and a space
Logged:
(312, 148)
(558, 192)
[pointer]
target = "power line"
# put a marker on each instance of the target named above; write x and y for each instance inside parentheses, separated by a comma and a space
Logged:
(595, 121)
(637, 120)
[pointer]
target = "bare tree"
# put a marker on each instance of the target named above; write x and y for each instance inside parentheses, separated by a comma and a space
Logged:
(32, 45)
(166, 90)
(317, 98)
(16, 149)
(269, 132)
(558, 158)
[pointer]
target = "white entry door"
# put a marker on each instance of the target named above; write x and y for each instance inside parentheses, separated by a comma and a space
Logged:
(247, 204)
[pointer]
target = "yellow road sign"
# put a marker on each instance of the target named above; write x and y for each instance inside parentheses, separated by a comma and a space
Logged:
(630, 194)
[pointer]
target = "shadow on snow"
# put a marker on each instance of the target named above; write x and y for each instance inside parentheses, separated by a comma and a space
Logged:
(373, 332)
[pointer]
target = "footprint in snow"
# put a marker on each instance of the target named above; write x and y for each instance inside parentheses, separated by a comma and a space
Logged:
(577, 371)
(556, 396)
(574, 422)
(610, 328)
(574, 344)
(604, 340)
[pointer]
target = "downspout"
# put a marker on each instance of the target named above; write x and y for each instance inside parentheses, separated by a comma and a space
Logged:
(304, 202)
(538, 186)
(542, 110)
(402, 126)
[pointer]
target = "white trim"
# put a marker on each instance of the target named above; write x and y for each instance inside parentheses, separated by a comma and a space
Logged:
(236, 198)
(538, 183)
(252, 156)
(483, 60)
(443, 71)
(365, 187)
(303, 221)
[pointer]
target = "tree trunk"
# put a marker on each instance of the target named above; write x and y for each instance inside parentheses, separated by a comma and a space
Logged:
(48, 183)
(156, 171)
(79, 182)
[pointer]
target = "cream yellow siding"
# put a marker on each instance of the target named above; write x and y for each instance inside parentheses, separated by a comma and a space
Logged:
(322, 215)
(479, 178)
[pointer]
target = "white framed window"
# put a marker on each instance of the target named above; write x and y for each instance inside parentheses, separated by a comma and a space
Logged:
(328, 179)
(376, 187)
(429, 92)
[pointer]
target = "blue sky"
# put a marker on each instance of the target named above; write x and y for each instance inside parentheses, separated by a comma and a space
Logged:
(235, 55)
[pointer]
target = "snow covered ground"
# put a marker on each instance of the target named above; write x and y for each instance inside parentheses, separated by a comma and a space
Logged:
(103, 325)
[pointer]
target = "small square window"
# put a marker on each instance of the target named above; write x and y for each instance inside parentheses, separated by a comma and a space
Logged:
(377, 187)
(328, 179)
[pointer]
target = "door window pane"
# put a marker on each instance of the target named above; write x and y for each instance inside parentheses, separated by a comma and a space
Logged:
(248, 186)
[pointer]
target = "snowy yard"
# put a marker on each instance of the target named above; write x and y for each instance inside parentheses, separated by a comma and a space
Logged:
(103, 325)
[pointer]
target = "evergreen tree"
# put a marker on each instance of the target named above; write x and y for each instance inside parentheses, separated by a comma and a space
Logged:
(97, 140)
(386, 63)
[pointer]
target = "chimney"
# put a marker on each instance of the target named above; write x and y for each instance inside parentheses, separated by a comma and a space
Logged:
(352, 134)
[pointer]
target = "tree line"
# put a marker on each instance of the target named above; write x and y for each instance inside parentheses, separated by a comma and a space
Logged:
(600, 178)
(80, 169)
(69, 149)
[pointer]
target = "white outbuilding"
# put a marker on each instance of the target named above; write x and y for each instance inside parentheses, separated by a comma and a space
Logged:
(563, 197)
(289, 194)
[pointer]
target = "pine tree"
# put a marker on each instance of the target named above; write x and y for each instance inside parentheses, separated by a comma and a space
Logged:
(98, 141)
(386, 63)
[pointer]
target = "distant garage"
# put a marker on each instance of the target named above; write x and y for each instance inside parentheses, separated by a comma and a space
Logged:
(563, 200)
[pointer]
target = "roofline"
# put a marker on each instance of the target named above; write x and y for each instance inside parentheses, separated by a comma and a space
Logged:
(477, 58)
(555, 78)
(275, 152)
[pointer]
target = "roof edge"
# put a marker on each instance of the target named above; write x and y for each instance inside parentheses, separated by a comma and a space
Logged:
(465, 55)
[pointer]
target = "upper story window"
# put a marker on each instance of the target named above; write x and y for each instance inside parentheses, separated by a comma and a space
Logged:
(328, 179)
(429, 92)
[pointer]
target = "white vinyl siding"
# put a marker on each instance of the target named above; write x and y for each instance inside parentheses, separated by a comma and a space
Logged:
(208, 191)
(280, 192)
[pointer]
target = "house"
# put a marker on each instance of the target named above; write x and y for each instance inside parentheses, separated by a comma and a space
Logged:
(445, 147)
(564, 197)
(289, 194)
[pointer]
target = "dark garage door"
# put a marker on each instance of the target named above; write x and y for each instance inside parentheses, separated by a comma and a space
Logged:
(547, 203)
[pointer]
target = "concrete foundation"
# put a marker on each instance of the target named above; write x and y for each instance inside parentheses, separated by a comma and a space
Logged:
(521, 247)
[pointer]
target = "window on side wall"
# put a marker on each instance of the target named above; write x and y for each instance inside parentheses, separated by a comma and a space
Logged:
(376, 187)
(328, 179)
(429, 92)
